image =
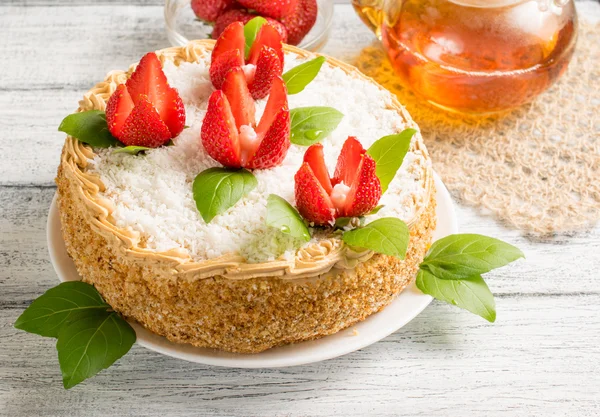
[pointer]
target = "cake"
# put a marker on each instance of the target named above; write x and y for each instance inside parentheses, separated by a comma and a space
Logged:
(133, 230)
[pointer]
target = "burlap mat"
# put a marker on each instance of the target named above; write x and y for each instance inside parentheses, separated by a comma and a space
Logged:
(538, 167)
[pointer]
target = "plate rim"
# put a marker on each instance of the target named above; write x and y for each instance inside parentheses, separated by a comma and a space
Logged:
(160, 344)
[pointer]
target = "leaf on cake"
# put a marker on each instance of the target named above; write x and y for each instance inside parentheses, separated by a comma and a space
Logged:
(312, 124)
(218, 189)
(281, 215)
(388, 236)
(89, 127)
(389, 152)
(299, 77)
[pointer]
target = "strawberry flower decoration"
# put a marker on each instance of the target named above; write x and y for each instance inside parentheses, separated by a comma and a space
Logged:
(353, 191)
(230, 133)
(264, 63)
(145, 111)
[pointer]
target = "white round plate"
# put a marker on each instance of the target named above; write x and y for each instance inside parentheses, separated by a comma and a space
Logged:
(378, 326)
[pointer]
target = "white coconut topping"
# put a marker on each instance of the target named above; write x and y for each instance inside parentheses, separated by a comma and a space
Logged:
(152, 192)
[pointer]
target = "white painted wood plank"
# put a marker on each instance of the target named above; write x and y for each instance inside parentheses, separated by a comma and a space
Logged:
(537, 360)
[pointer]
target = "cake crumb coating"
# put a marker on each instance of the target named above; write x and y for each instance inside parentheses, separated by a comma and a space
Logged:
(244, 316)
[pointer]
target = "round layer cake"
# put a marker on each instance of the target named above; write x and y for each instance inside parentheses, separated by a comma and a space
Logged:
(132, 228)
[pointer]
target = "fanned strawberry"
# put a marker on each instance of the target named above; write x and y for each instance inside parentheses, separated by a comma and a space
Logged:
(365, 192)
(275, 144)
(244, 16)
(312, 201)
(147, 86)
(209, 10)
(229, 131)
(300, 20)
(268, 67)
(119, 106)
(144, 127)
(271, 8)
(240, 100)
(315, 159)
(264, 63)
(219, 135)
(354, 191)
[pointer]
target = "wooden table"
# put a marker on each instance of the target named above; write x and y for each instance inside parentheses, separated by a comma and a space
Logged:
(542, 357)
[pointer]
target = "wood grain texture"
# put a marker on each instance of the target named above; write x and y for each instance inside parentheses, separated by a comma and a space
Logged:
(541, 358)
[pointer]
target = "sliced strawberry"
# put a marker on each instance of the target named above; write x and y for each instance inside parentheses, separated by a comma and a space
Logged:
(278, 101)
(312, 201)
(231, 39)
(271, 8)
(239, 98)
(118, 108)
(209, 10)
(300, 20)
(365, 192)
(268, 67)
(314, 157)
(144, 127)
(219, 134)
(224, 63)
(346, 169)
(173, 112)
(267, 36)
(275, 144)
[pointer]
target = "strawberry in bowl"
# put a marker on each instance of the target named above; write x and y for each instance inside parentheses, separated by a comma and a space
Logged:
(264, 63)
(353, 191)
(230, 133)
(146, 110)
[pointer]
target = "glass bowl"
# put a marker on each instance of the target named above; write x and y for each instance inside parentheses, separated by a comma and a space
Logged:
(182, 26)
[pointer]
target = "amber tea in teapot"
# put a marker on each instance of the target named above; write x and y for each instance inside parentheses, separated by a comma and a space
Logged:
(475, 56)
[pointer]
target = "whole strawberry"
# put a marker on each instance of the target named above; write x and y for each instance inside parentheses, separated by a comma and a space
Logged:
(244, 16)
(270, 8)
(300, 20)
(209, 10)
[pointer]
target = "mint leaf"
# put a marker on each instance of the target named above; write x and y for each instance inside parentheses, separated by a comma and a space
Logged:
(388, 236)
(467, 255)
(218, 189)
(388, 153)
(89, 127)
(312, 124)
(251, 30)
(281, 215)
(92, 343)
(299, 77)
(59, 305)
(131, 150)
(471, 294)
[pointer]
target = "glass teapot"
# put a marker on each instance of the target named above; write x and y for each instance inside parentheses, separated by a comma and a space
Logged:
(475, 56)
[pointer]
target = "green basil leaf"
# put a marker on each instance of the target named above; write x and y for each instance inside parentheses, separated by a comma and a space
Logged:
(281, 215)
(388, 153)
(131, 150)
(471, 294)
(218, 189)
(312, 124)
(59, 305)
(388, 236)
(342, 222)
(251, 30)
(90, 344)
(299, 77)
(89, 127)
(467, 255)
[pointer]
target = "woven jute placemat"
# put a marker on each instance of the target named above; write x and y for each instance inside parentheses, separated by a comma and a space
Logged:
(537, 167)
